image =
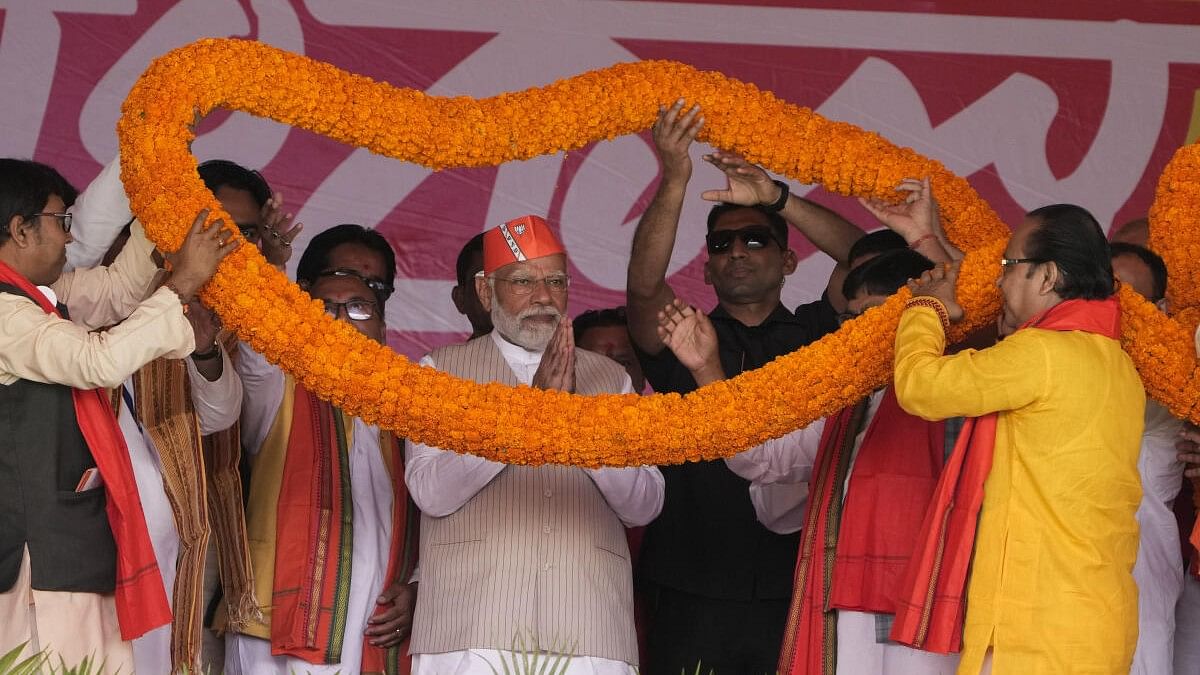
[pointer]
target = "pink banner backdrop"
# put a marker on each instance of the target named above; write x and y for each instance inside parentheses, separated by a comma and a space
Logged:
(1076, 101)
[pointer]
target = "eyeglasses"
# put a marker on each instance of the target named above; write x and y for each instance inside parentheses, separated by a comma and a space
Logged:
(754, 237)
(250, 232)
(64, 219)
(1009, 262)
(358, 310)
(377, 285)
(522, 285)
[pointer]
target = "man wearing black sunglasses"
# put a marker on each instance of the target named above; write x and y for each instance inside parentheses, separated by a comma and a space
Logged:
(718, 582)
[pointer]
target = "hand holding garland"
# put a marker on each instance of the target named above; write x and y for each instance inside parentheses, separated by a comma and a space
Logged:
(197, 259)
(916, 219)
(939, 284)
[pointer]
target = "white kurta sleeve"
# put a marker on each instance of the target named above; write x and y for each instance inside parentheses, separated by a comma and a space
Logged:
(780, 506)
(98, 216)
(441, 482)
(218, 403)
(787, 459)
(103, 296)
(634, 493)
(262, 393)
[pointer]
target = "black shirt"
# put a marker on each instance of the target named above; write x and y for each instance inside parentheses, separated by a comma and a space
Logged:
(707, 541)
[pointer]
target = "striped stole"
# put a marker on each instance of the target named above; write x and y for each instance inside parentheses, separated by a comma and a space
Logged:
(163, 403)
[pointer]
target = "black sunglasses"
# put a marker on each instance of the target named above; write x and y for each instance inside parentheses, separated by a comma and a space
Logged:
(754, 237)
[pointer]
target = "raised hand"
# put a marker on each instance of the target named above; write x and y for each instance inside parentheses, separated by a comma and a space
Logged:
(557, 369)
(748, 184)
(196, 261)
(278, 231)
(691, 337)
(673, 134)
(940, 283)
(913, 218)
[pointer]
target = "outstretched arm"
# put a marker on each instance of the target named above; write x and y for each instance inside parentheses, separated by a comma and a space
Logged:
(654, 240)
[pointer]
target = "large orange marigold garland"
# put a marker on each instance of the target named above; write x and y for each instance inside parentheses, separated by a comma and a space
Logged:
(370, 381)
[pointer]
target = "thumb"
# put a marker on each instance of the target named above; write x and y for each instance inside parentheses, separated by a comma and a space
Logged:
(717, 195)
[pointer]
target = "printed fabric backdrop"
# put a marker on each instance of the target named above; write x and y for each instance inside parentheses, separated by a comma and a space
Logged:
(1074, 100)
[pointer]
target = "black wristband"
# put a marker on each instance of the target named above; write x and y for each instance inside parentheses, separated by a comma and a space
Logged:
(212, 353)
(778, 204)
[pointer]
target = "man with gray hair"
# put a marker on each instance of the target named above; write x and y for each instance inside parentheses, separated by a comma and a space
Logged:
(515, 559)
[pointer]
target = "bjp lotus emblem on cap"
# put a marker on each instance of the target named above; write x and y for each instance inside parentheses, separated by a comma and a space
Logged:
(518, 240)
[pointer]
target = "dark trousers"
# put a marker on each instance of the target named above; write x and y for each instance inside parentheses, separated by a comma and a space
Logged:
(722, 637)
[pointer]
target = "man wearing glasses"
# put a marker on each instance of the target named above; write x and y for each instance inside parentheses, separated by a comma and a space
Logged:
(78, 576)
(301, 447)
(1033, 524)
(526, 560)
(717, 581)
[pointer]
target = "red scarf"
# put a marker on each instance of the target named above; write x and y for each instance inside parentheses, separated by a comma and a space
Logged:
(314, 541)
(140, 597)
(931, 610)
(854, 553)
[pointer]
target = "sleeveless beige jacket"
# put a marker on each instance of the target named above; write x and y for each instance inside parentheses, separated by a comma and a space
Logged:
(536, 560)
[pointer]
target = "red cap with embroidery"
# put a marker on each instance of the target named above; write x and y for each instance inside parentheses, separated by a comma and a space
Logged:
(521, 239)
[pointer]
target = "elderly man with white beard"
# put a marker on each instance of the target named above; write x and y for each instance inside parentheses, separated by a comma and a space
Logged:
(526, 562)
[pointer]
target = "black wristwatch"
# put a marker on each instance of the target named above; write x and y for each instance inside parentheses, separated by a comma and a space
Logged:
(778, 204)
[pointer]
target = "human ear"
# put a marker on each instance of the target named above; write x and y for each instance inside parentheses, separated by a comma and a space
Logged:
(484, 290)
(789, 262)
(456, 296)
(1050, 277)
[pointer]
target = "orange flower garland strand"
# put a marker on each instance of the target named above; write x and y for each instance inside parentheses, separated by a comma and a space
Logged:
(370, 381)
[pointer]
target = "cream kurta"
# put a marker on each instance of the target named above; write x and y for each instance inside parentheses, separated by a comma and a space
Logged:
(41, 347)
(1051, 587)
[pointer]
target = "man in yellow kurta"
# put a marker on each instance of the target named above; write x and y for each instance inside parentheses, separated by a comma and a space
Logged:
(1050, 586)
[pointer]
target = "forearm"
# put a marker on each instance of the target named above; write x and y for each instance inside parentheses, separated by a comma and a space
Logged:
(217, 400)
(780, 507)
(970, 383)
(634, 493)
(647, 290)
(36, 346)
(102, 296)
(931, 246)
(442, 482)
(787, 459)
(826, 229)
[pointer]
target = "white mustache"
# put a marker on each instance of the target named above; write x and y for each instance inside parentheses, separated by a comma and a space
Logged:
(539, 311)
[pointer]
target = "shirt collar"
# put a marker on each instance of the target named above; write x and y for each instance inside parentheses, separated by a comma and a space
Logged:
(515, 354)
(778, 315)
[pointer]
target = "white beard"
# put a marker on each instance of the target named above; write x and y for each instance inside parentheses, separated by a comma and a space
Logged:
(532, 336)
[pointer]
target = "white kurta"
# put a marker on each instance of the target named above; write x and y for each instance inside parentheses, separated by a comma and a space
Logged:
(1187, 628)
(218, 405)
(100, 212)
(1158, 571)
(786, 463)
(371, 497)
(441, 482)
